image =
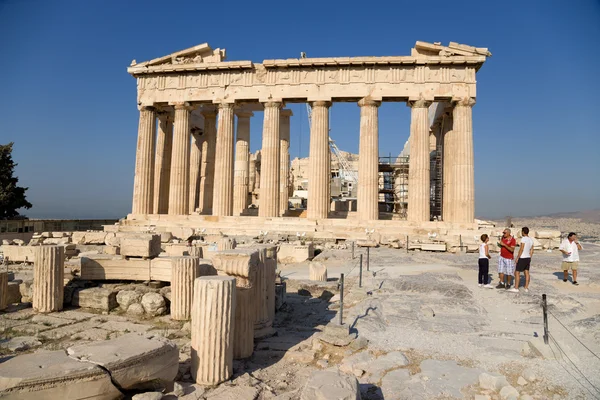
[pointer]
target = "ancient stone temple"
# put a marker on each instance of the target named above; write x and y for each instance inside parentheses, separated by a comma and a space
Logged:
(193, 166)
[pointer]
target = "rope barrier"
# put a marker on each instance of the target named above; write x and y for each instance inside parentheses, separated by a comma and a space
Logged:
(571, 333)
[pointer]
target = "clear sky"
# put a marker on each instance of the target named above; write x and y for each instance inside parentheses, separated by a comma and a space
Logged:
(69, 105)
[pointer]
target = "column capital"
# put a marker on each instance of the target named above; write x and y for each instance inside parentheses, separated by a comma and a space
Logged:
(182, 106)
(368, 101)
(146, 107)
(273, 104)
(226, 106)
(286, 113)
(244, 114)
(420, 103)
(320, 103)
(463, 101)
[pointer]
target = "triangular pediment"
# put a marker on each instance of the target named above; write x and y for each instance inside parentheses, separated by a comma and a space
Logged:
(453, 49)
(201, 53)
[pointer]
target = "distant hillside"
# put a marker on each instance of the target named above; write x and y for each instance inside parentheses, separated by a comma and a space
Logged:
(587, 216)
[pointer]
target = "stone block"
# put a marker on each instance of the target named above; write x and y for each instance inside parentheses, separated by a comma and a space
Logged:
(161, 268)
(94, 238)
(109, 268)
(96, 298)
(226, 243)
(125, 298)
(143, 245)
(331, 384)
(154, 304)
(112, 250)
(366, 243)
(54, 375)
(295, 253)
(14, 292)
(492, 381)
(317, 271)
(166, 237)
(547, 234)
(240, 263)
(61, 240)
(19, 253)
(133, 360)
(112, 239)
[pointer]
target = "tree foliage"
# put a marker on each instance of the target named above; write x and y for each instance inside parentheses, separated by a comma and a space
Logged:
(12, 196)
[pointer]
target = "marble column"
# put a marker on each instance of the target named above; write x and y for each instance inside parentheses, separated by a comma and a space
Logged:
(143, 183)
(270, 162)
(242, 163)
(223, 185)
(448, 162)
(319, 170)
(208, 162)
(368, 160)
(284, 154)
(212, 327)
(463, 173)
(180, 162)
(48, 278)
(162, 167)
(195, 163)
(419, 163)
(183, 273)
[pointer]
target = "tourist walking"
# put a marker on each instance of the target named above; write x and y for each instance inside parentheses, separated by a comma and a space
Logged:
(570, 249)
(484, 262)
(506, 262)
(523, 260)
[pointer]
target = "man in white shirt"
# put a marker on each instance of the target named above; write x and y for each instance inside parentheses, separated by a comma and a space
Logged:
(570, 249)
(523, 260)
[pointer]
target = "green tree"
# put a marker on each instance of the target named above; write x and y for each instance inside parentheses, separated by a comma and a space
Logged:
(12, 197)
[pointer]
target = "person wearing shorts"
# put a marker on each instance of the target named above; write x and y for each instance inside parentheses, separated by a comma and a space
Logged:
(506, 263)
(523, 260)
(570, 249)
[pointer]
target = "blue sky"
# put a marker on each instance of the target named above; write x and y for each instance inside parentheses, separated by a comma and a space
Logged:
(69, 105)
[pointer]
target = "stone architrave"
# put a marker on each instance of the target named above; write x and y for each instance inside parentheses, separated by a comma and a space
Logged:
(284, 154)
(195, 163)
(213, 312)
(143, 185)
(3, 290)
(419, 162)
(241, 178)
(368, 160)
(184, 272)
(463, 185)
(162, 167)
(180, 162)
(48, 279)
(270, 162)
(207, 171)
(243, 265)
(223, 186)
(320, 162)
(448, 161)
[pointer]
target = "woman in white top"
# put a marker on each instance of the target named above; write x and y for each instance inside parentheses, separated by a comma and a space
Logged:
(484, 262)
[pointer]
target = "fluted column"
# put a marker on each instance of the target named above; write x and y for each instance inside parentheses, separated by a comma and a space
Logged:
(184, 271)
(223, 192)
(195, 162)
(143, 183)
(208, 162)
(270, 162)
(241, 178)
(48, 278)
(162, 166)
(180, 162)
(284, 154)
(319, 169)
(463, 175)
(213, 314)
(448, 162)
(368, 160)
(3, 290)
(419, 163)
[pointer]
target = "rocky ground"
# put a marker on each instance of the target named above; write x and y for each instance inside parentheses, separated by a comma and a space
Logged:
(419, 328)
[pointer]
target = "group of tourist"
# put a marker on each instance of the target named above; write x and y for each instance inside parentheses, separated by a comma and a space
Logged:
(510, 266)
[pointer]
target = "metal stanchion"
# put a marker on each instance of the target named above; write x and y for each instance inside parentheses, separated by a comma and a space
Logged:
(341, 299)
(368, 257)
(407, 243)
(545, 310)
(353, 250)
(360, 270)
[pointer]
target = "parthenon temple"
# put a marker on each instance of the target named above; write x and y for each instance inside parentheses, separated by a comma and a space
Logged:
(193, 164)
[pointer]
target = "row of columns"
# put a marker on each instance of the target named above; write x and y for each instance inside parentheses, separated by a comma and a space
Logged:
(208, 177)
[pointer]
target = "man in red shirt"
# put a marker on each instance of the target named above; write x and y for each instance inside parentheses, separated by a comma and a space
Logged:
(506, 262)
